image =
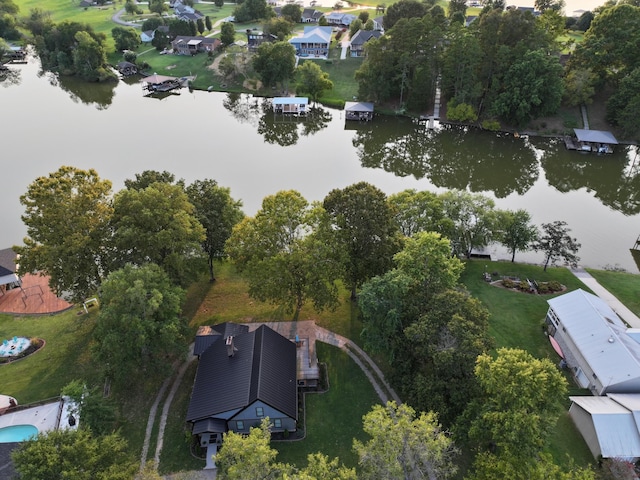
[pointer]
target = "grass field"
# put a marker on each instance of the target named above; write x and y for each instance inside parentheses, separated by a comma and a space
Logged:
(625, 286)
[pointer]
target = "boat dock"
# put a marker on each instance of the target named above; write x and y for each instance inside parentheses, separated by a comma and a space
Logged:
(596, 141)
(162, 83)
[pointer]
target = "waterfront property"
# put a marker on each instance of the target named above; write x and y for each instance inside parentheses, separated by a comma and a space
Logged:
(340, 19)
(290, 105)
(256, 38)
(361, 111)
(358, 41)
(602, 353)
(127, 69)
(187, 45)
(314, 42)
(162, 83)
(597, 141)
(242, 377)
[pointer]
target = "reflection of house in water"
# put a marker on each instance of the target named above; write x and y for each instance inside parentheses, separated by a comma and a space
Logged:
(597, 141)
(635, 252)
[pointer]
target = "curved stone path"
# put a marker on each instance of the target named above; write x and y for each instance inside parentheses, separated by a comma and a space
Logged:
(304, 329)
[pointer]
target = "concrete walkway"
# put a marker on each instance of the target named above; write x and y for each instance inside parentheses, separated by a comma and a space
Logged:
(585, 117)
(616, 305)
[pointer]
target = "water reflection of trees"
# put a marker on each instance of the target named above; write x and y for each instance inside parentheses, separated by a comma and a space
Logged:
(98, 94)
(451, 157)
(244, 108)
(9, 76)
(613, 179)
(285, 130)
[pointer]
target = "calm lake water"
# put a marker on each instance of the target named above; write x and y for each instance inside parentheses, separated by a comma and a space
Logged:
(235, 140)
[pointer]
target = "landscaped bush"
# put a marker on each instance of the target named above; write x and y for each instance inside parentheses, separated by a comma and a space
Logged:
(524, 286)
(508, 283)
(543, 288)
(555, 286)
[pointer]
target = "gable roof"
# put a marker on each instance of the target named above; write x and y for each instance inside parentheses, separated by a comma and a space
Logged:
(596, 136)
(599, 335)
(311, 13)
(363, 36)
(207, 335)
(7, 261)
(615, 424)
(313, 34)
(263, 368)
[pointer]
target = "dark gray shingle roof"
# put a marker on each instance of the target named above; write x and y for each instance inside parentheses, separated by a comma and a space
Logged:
(263, 368)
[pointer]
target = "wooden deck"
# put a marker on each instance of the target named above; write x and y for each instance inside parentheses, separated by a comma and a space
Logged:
(35, 298)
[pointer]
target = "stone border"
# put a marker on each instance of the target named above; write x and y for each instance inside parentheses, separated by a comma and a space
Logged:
(44, 343)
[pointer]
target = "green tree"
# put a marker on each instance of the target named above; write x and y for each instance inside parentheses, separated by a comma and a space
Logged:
(219, 3)
(248, 457)
(421, 211)
(473, 217)
(312, 80)
(89, 58)
(517, 233)
(457, 6)
(320, 467)
(250, 10)
(74, 454)
(488, 466)
(292, 12)
(364, 229)
(38, 21)
(284, 256)
(605, 48)
(323, 22)
(207, 23)
(139, 328)
(200, 26)
(131, 7)
(404, 445)
(622, 107)
(391, 302)
(156, 224)
(278, 26)
(437, 372)
(544, 5)
(152, 23)
(369, 25)
(218, 213)
(275, 62)
(227, 33)
(404, 9)
(579, 86)
(148, 178)
(158, 6)
(355, 27)
(556, 243)
(363, 16)
(532, 87)
(520, 402)
(95, 411)
(125, 38)
(67, 216)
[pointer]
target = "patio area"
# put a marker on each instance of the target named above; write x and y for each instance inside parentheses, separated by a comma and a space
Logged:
(33, 298)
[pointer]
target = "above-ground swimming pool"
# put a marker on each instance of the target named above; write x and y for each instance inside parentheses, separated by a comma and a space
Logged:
(17, 433)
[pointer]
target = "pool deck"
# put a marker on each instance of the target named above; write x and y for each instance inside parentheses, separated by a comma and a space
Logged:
(50, 416)
(34, 298)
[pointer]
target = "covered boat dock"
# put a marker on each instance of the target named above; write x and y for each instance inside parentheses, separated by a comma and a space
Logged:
(360, 111)
(163, 83)
(290, 105)
(597, 141)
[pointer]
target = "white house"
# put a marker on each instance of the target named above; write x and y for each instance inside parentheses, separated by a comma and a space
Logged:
(603, 354)
(610, 425)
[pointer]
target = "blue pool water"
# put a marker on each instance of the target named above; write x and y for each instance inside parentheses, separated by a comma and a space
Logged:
(17, 433)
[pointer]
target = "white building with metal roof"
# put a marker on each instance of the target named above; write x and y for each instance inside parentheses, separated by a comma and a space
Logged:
(603, 354)
(609, 424)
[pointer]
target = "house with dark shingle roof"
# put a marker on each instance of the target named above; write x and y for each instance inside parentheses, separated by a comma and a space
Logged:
(359, 39)
(8, 268)
(242, 377)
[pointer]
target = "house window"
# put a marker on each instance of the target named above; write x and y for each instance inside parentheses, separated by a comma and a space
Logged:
(259, 412)
(240, 425)
(277, 423)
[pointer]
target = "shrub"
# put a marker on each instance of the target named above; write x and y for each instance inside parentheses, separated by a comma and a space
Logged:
(491, 125)
(555, 286)
(543, 288)
(461, 112)
(523, 285)
(508, 283)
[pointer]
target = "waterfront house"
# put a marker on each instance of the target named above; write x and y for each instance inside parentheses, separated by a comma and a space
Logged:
(602, 353)
(311, 15)
(340, 19)
(360, 38)
(314, 42)
(242, 377)
(361, 111)
(290, 105)
(187, 45)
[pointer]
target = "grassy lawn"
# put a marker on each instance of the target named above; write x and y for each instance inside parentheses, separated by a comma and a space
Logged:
(625, 286)
(334, 418)
(64, 357)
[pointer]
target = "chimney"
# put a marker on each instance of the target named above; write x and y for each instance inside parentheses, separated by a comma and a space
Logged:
(230, 347)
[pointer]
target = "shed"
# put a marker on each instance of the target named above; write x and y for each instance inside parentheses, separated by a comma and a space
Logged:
(608, 424)
(362, 111)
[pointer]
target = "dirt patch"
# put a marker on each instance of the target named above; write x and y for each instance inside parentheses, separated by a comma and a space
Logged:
(170, 67)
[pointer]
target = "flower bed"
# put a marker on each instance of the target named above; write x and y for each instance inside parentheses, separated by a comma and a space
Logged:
(35, 344)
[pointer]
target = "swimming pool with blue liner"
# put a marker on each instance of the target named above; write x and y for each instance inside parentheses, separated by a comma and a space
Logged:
(17, 433)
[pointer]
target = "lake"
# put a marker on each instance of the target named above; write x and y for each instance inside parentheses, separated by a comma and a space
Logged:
(236, 140)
